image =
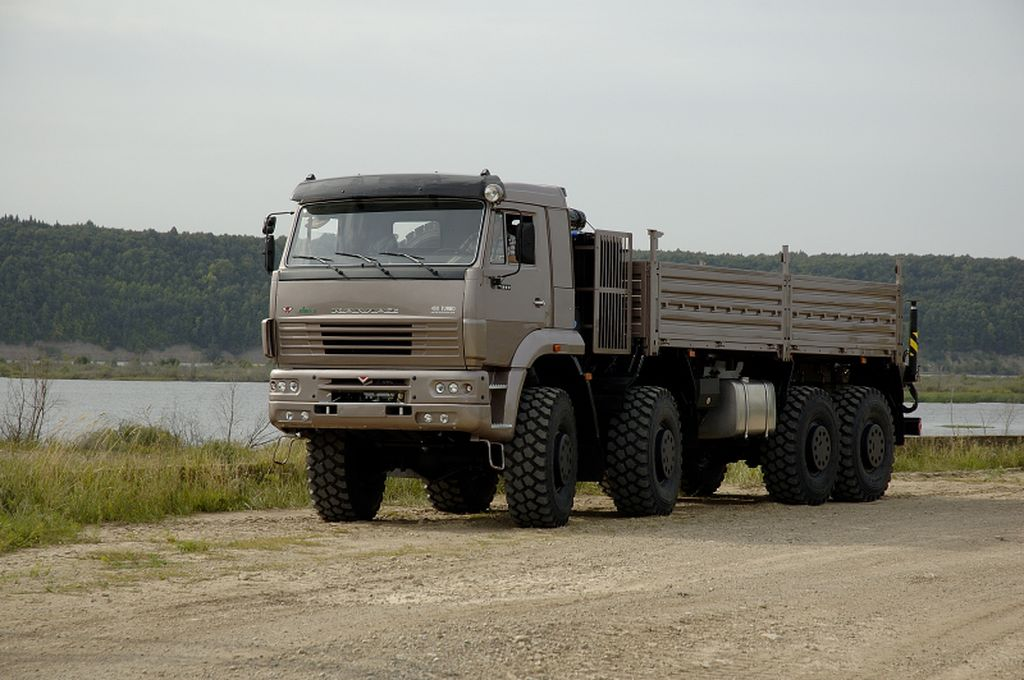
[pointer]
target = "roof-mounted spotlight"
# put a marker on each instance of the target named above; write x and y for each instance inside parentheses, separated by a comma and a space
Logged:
(493, 193)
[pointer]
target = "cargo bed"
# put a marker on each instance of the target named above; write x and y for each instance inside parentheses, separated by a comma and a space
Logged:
(702, 307)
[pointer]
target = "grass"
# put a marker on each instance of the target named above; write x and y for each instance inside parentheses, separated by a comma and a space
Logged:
(129, 559)
(965, 389)
(50, 492)
(942, 454)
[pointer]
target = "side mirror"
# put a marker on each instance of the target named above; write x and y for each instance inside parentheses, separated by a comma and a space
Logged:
(269, 249)
(269, 253)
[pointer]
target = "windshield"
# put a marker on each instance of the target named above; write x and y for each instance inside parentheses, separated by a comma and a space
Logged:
(413, 233)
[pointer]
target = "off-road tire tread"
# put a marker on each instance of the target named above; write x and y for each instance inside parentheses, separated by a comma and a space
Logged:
(849, 484)
(704, 481)
(343, 487)
(781, 459)
(527, 487)
(627, 478)
(465, 492)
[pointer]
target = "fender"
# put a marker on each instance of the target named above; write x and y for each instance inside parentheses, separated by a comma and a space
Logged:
(535, 345)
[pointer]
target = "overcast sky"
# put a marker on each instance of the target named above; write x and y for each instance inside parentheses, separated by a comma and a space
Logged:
(850, 127)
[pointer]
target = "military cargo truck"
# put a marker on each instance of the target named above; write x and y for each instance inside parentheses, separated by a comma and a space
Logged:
(461, 328)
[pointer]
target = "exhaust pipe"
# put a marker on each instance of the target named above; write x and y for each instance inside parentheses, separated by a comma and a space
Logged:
(910, 373)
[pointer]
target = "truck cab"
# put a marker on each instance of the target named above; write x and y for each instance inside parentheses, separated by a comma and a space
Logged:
(407, 311)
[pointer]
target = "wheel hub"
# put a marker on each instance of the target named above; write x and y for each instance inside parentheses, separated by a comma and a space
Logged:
(563, 459)
(665, 454)
(874, 446)
(820, 448)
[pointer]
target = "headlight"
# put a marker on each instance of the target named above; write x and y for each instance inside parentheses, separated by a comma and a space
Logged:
(453, 388)
(293, 386)
(438, 388)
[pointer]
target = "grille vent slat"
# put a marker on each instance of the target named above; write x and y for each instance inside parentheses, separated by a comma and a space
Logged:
(430, 339)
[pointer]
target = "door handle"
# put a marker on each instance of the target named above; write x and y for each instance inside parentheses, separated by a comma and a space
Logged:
(537, 302)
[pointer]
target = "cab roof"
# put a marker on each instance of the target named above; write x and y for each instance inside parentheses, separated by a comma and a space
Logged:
(432, 185)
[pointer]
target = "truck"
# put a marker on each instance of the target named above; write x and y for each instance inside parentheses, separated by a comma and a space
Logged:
(465, 330)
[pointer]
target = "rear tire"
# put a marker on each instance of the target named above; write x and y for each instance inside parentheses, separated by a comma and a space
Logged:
(866, 444)
(643, 459)
(701, 476)
(344, 485)
(463, 492)
(541, 461)
(801, 460)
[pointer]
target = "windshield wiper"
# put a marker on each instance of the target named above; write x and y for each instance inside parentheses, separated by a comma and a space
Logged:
(417, 260)
(322, 260)
(374, 262)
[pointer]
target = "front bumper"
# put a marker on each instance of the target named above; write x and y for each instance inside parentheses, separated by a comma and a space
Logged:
(381, 399)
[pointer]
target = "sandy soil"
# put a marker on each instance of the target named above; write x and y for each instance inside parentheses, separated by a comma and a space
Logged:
(926, 583)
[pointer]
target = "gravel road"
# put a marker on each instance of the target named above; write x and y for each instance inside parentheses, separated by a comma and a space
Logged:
(926, 583)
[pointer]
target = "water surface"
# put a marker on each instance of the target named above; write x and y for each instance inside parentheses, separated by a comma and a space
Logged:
(201, 410)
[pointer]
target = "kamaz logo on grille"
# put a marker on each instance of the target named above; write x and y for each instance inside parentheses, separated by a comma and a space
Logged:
(365, 310)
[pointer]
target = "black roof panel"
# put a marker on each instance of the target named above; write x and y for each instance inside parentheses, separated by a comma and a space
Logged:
(389, 186)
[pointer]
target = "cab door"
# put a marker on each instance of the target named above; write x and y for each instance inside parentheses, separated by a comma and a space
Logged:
(516, 288)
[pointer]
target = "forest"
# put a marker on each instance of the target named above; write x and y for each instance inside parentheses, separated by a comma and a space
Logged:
(148, 290)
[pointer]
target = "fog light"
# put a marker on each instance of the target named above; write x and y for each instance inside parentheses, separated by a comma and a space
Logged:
(293, 386)
(289, 416)
(428, 418)
(443, 418)
(453, 388)
(468, 387)
(438, 388)
(304, 415)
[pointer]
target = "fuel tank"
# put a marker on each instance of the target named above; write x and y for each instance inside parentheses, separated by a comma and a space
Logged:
(744, 408)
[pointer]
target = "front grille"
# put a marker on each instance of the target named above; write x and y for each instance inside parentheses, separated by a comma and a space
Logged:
(427, 339)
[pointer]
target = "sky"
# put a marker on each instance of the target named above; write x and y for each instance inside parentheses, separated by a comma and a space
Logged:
(732, 126)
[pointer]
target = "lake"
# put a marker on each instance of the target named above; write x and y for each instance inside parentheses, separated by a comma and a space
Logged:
(198, 410)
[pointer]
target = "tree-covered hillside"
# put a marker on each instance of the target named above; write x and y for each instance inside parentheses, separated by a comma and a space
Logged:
(144, 290)
(135, 290)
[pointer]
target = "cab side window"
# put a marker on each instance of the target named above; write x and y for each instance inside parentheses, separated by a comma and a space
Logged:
(514, 240)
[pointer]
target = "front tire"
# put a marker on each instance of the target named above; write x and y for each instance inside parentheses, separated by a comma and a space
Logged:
(541, 461)
(801, 459)
(866, 445)
(643, 460)
(344, 485)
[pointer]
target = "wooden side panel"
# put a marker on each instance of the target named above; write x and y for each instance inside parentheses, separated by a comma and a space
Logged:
(841, 316)
(702, 307)
(718, 308)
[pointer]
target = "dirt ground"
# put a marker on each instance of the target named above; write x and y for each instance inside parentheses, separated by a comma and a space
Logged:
(926, 583)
